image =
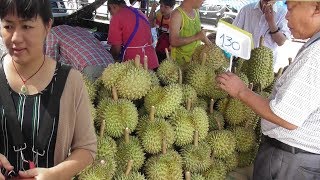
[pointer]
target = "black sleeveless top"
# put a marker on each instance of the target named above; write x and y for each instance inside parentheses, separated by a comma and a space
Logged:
(30, 110)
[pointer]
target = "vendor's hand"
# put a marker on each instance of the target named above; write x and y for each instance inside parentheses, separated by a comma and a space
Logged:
(4, 163)
(231, 83)
(39, 174)
(202, 37)
(267, 9)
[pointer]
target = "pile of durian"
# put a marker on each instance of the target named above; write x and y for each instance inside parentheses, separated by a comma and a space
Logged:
(175, 123)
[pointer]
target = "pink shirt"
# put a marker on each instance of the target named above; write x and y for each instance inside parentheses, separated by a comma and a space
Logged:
(122, 25)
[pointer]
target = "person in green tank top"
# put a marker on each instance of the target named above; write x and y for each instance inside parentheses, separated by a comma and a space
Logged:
(185, 31)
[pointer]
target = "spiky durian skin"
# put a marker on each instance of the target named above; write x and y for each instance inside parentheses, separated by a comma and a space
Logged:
(111, 75)
(168, 72)
(201, 78)
(93, 112)
(131, 176)
(259, 68)
(154, 79)
(214, 118)
(103, 93)
(222, 143)
(119, 115)
(197, 177)
(164, 167)
(129, 151)
(231, 162)
(186, 122)
(196, 158)
(153, 135)
(188, 93)
(235, 112)
(222, 105)
(164, 99)
(247, 158)
(245, 138)
(99, 171)
(134, 84)
(91, 88)
(202, 103)
(217, 171)
(107, 148)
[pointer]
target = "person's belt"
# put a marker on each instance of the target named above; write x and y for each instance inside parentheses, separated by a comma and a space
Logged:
(283, 146)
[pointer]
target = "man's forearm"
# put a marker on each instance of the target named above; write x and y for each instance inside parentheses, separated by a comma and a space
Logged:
(261, 107)
(277, 35)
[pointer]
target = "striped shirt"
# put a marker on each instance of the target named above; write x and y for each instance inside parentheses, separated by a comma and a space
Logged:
(296, 99)
(252, 19)
(30, 109)
(77, 47)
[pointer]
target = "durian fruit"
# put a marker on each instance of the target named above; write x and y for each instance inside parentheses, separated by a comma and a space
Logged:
(165, 166)
(154, 79)
(103, 93)
(168, 72)
(231, 162)
(217, 171)
(93, 112)
(164, 99)
(202, 103)
(129, 148)
(114, 72)
(245, 159)
(152, 132)
(201, 77)
(196, 157)
(215, 118)
(245, 138)
(193, 176)
(118, 114)
(222, 105)
(189, 93)
(135, 82)
(128, 175)
(107, 148)
(235, 112)
(277, 76)
(214, 56)
(222, 143)
(99, 170)
(91, 88)
(259, 68)
(186, 121)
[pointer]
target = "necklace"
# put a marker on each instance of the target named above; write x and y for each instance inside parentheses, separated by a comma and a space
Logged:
(24, 89)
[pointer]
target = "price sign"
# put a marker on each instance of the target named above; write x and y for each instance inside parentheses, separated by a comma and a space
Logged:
(234, 40)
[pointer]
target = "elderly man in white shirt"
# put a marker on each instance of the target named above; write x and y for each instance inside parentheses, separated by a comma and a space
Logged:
(265, 19)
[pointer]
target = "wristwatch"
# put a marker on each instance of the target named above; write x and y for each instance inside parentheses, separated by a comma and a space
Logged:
(275, 31)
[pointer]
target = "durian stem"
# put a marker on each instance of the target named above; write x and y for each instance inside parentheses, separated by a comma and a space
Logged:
(189, 104)
(129, 167)
(279, 73)
(137, 61)
(126, 135)
(164, 146)
(211, 106)
(290, 60)
(250, 86)
(145, 62)
(203, 58)
(180, 76)
(167, 54)
(261, 41)
(218, 123)
(196, 138)
(188, 175)
(102, 127)
(212, 155)
(234, 70)
(114, 93)
(152, 113)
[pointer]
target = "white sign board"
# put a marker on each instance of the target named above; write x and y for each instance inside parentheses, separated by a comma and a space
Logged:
(234, 40)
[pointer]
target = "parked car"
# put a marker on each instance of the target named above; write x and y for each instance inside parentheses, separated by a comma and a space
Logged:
(212, 13)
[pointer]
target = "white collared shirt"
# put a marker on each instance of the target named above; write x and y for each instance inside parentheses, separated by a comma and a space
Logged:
(296, 99)
(252, 19)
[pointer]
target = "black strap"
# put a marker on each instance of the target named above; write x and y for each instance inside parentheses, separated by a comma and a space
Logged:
(10, 111)
(16, 136)
(53, 109)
